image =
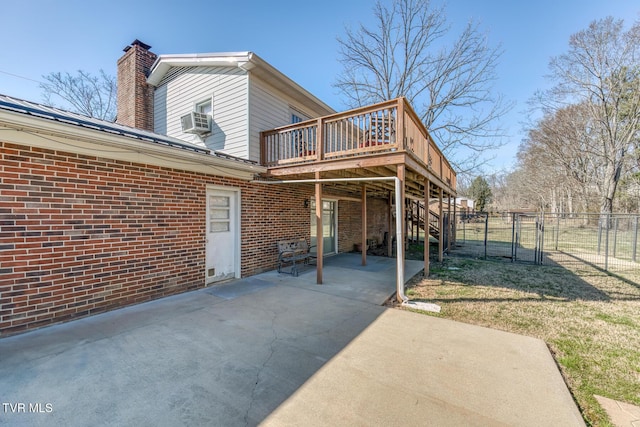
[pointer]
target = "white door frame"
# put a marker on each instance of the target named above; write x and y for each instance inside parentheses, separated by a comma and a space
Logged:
(238, 227)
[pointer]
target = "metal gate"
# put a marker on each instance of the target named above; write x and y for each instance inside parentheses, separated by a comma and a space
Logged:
(527, 244)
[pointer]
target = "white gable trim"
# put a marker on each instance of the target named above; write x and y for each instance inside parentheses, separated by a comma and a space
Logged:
(247, 61)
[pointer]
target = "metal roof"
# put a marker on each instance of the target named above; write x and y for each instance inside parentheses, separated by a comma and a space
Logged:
(16, 105)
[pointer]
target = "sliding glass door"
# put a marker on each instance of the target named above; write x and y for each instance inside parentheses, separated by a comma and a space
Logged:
(329, 225)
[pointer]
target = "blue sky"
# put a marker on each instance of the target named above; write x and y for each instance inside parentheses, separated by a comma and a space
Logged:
(298, 38)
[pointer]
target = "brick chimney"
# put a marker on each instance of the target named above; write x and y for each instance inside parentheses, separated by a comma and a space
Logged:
(135, 96)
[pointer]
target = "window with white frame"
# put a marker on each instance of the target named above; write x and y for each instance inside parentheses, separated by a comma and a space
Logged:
(205, 107)
(297, 116)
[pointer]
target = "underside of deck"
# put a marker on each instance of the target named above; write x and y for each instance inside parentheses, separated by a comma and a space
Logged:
(381, 151)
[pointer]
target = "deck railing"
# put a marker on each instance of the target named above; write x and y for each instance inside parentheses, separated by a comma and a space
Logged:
(389, 126)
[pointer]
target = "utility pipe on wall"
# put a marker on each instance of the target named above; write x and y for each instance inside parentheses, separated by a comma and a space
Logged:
(399, 231)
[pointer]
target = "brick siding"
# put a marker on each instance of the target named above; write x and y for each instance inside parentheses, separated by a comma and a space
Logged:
(350, 222)
(81, 235)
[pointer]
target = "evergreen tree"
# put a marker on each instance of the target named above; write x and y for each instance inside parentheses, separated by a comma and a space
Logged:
(480, 192)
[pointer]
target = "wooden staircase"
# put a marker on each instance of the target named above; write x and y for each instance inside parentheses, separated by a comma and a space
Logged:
(416, 219)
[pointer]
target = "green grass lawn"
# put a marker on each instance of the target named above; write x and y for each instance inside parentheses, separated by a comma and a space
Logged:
(589, 319)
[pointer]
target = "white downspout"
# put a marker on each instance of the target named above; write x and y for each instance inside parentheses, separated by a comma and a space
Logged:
(399, 245)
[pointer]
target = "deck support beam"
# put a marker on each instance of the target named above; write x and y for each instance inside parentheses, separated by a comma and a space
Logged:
(319, 231)
(390, 234)
(364, 224)
(440, 225)
(425, 222)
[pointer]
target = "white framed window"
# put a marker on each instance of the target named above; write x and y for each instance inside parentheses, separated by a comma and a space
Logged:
(219, 214)
(297, 116)
(205, 107)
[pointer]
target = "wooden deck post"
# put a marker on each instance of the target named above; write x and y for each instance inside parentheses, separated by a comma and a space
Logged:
(390, 232)
(400, 127)
(405, 214)
(440, 226)
(416, 223)
(263, 149)
(427, 186)
(319, 231)
(412, 235)
(364, 224)
(320, 139)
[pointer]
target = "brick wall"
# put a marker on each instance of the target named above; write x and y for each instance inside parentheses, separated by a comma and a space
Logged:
(350, 222)
(81, 235)
(271, 213)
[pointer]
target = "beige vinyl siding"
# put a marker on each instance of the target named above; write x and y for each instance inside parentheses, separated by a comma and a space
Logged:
(227, 86)
(270, 108)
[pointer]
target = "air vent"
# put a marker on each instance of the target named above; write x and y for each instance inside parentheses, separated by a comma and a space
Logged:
(195, 122)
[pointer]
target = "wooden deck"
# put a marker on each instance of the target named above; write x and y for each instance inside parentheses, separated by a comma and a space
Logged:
(368, 139)
(385, 141)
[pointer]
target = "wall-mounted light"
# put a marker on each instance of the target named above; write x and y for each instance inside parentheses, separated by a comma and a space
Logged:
(306, 203)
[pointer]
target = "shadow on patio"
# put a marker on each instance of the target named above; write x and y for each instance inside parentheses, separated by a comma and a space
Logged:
(280, 349)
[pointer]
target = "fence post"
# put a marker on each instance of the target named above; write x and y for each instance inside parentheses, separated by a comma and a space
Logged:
(513, 236)
(635, 239)
(464, 231)
(536, 239)
(541, 240)
(606, 244)
(454, 225)
(486, 232)
(557, 230)
(599, 233)
(518, 237)
(615, 236)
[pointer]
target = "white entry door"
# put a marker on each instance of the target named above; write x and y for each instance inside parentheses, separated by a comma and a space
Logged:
(222, 235)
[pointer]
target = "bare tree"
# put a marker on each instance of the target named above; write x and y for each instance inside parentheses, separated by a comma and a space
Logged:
(449, 85)
(93, 96)
(507, 192)
(601, 71)
(562, 144)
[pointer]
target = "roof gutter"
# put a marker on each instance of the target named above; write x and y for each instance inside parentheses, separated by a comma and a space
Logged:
(400, 295)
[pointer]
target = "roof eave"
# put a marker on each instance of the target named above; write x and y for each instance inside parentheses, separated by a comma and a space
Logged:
(163, 63)
(247, 61)
(32, 124)
(274, 74)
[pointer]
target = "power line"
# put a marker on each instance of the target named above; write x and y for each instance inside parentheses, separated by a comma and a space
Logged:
(21, 77)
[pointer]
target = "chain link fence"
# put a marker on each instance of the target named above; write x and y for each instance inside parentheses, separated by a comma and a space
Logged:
(608, 242)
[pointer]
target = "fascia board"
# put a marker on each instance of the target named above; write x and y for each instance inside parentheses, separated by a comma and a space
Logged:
(164, 62)
(294, 89)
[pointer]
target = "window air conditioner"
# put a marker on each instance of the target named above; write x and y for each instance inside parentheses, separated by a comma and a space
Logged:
(195, 122)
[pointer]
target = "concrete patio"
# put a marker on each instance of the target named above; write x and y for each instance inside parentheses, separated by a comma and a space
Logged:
(281, 350)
